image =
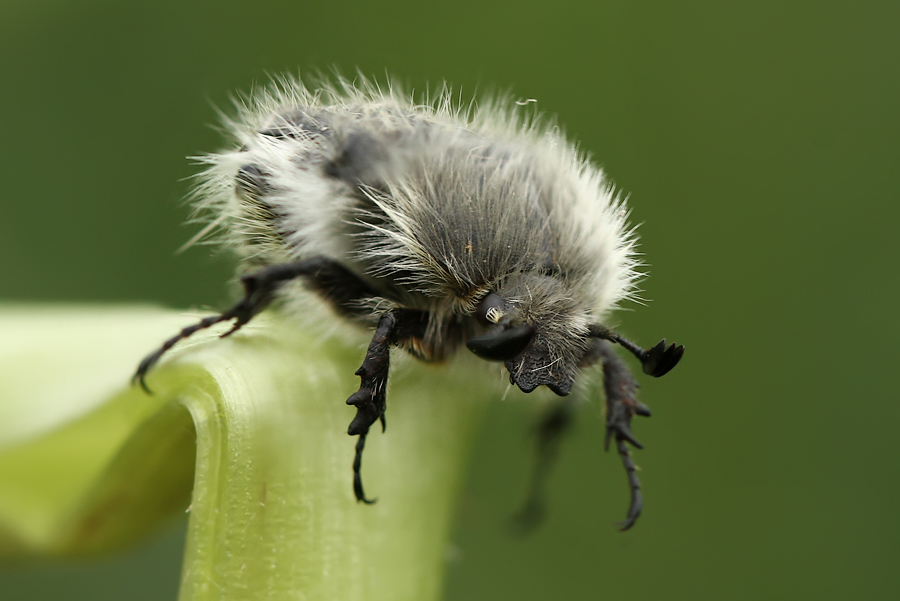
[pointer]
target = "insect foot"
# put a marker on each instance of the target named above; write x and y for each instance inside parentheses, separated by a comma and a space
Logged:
(659, 360)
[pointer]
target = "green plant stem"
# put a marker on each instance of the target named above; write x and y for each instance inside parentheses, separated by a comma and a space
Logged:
(272, 513)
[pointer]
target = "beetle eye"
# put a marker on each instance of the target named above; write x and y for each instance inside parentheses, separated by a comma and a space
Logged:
(502, 345)
(490, 310)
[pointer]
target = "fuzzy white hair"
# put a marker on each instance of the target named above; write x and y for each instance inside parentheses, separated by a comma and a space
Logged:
(464, 194)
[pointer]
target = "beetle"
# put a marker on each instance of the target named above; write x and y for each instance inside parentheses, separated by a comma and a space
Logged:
(436, 227)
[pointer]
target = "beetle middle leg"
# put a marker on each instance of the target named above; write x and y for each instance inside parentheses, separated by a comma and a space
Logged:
(394, 327)
(549, 431)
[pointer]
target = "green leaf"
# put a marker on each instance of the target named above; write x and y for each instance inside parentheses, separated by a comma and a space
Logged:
(250, 431)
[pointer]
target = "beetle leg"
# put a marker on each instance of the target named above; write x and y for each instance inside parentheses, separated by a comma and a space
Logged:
(332, 280)
(550, 430)
(393, 328)
(621, 406)
(656, 361)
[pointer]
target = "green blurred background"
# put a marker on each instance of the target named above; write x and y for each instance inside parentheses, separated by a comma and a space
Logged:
(759, 143)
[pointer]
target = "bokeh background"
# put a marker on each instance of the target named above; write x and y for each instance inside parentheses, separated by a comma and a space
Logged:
(759, 143)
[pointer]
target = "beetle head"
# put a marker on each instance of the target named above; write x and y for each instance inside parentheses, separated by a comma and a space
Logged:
(536, 329)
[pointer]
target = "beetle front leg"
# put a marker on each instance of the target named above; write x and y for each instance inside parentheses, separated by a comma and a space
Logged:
(656, 361)
(621, 406)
